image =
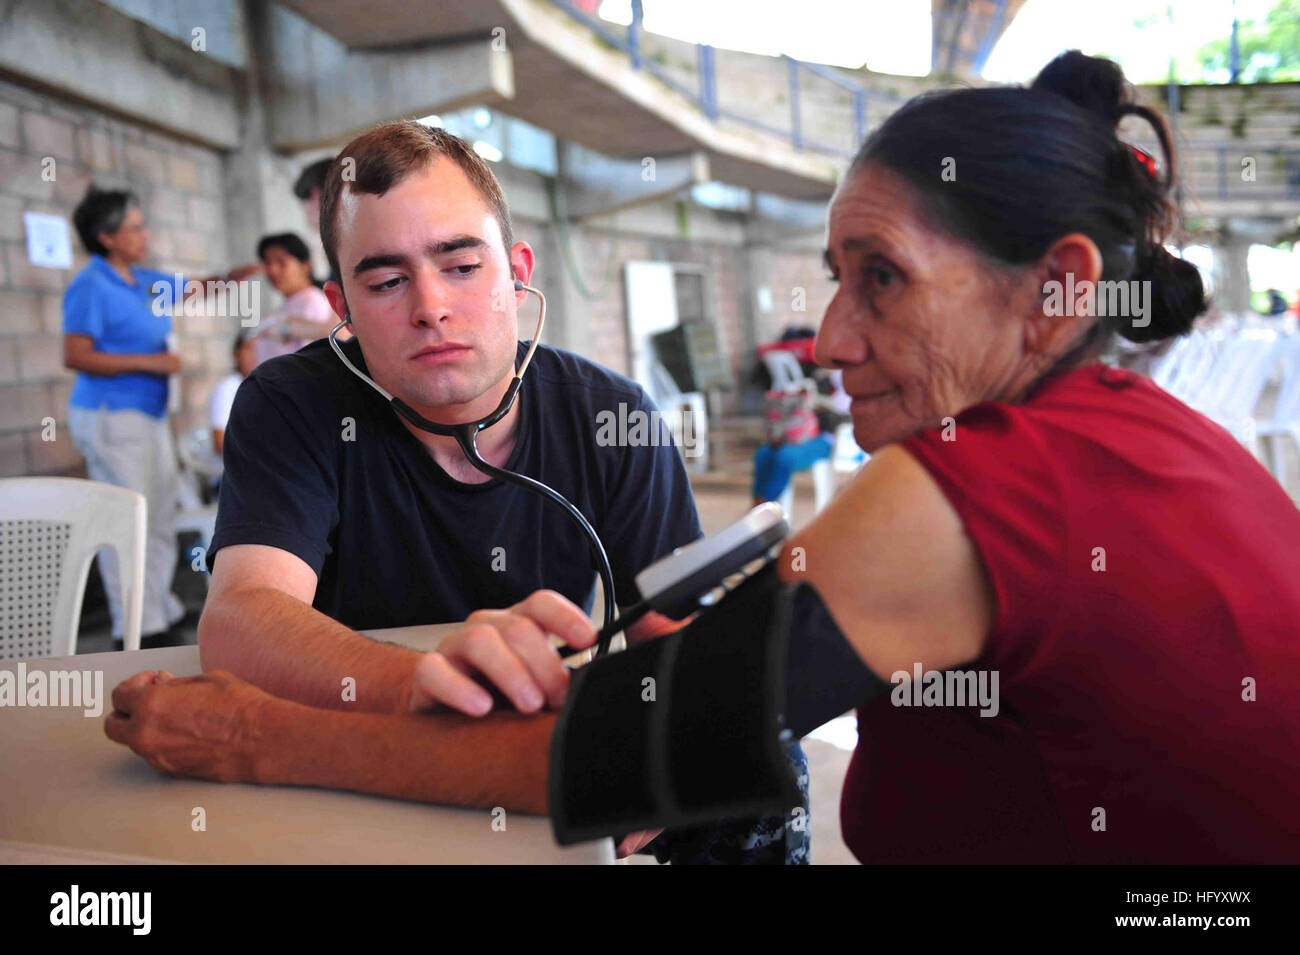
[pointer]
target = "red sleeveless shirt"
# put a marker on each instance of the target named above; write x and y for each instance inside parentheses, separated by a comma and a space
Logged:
(1146, 572)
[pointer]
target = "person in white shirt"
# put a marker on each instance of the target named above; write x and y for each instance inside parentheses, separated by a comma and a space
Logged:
(306, 314)
(223, 395)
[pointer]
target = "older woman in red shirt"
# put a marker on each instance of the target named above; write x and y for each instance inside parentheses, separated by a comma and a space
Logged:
(1114, 568)
(1124, 566)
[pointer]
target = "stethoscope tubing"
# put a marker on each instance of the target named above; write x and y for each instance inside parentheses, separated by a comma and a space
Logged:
(466, 436)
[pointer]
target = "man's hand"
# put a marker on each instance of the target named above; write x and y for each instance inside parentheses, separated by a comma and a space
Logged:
(511, 650)
(206, 726)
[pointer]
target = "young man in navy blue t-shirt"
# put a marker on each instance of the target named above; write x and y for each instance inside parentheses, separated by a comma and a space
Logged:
(337, 515)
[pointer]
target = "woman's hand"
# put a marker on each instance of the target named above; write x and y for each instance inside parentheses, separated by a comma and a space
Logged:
(510, 649)
(206, 726)
(241, 272)
(163, 363)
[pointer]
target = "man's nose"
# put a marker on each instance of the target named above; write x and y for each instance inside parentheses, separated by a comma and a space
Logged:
(432, 304)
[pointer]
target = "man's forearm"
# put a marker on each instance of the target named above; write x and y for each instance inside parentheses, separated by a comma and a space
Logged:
(291, 650)
(499, 760)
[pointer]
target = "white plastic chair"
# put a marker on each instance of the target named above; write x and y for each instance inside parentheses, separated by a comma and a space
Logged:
(1237, 380)
(197, 454)
(823, 487)
(1286, 412)
(676, 404)
(50, 530)
(1166, 367)
(1192, 373)
(787, 374)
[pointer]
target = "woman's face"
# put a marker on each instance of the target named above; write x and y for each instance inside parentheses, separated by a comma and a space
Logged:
(130, 243)
(287, 273)
(922, 325)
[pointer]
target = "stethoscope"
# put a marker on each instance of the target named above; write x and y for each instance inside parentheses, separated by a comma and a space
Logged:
(466, 436)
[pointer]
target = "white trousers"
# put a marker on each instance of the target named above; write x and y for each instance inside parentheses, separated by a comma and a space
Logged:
(134, 450)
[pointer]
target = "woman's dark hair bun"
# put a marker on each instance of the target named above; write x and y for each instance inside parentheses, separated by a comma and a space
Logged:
(1177, 293)
(1177, 296)
(1094, 83)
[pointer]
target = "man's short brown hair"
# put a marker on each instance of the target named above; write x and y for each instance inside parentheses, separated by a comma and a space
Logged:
(387, 154)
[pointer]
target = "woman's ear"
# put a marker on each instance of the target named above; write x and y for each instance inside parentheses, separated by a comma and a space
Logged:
(1069, 271)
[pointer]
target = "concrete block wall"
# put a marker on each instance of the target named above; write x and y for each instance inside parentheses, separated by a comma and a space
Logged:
(734, 274)
(793, 279)
(180, 186)
(185, 194)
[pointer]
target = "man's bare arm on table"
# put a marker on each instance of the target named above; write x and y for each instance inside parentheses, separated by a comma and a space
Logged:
(259, 624)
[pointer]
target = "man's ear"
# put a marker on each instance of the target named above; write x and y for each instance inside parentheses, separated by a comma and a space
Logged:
(521, 266)
(334, 292)
(1068, 273)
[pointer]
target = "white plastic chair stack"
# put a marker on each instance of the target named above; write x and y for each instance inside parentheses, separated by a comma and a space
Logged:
(1167, 368)
(1286, 412)
(50, 529)
(1237, 380)
(1192, 374)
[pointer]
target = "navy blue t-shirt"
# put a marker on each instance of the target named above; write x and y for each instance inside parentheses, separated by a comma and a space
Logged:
(395, 541)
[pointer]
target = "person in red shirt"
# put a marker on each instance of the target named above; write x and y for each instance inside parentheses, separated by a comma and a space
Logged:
(1110, 573)
(1121, 564)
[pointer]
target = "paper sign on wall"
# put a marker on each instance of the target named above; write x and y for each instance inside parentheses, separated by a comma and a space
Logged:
(47, 241)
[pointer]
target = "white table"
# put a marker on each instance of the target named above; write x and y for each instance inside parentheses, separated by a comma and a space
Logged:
(70, 795)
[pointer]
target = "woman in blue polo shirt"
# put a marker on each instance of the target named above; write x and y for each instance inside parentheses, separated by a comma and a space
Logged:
(115, 330)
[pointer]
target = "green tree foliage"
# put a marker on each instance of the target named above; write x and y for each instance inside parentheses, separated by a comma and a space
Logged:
(1269, 50)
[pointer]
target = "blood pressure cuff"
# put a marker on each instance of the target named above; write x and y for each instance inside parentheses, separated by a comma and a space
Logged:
(690, 727)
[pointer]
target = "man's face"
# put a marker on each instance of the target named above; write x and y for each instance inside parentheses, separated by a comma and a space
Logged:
(431, 291)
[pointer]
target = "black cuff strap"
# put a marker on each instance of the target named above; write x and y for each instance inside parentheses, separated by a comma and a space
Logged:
(688, 728)
(824, 676)
(680, 730)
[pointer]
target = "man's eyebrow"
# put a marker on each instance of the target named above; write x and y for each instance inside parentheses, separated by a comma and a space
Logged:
(383, 259)
(455, 244)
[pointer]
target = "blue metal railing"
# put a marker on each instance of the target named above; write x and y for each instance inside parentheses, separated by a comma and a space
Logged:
(706, 96)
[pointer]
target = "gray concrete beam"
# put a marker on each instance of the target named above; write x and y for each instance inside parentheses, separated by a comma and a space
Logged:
(319, 92)
(600, 185)
(221, 22)
(89, 51)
